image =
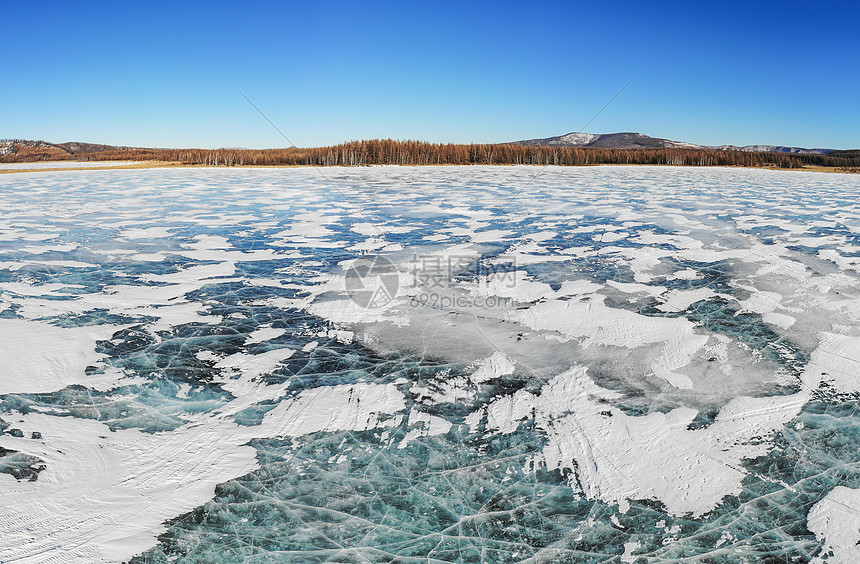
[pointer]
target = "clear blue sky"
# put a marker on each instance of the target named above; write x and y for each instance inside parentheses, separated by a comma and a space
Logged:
(152, 74)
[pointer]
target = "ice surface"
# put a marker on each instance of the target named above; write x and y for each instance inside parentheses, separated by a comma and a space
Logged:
(618, 457)
(836, 520)
(39, 357)
(629, 364)
(63, 164)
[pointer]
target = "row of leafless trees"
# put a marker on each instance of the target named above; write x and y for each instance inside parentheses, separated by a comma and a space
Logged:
(389, 151)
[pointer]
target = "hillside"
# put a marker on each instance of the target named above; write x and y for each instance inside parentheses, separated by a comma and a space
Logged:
(27, 150)
(630, 148)
(76, 148)
(22, 150)
(630, 140)
(625, 140)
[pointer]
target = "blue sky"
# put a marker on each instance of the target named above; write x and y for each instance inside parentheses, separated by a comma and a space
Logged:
(153, 74)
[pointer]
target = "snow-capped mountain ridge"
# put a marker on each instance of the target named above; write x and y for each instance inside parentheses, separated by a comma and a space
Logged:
(632, 140)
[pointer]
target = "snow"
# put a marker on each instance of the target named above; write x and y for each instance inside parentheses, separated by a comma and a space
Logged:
(627, 304)
(64, 164)
(264, 334)
(618, 457)
(596, 324)
(494, 366)
(113, 490)
(37, 357)
(835, 361)
(835, 520)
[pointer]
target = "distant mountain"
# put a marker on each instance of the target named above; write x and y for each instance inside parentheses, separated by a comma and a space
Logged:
(627, 140)
(23, 149)
(630, 140)
(30, 150)
(77, 148)
(773, 149)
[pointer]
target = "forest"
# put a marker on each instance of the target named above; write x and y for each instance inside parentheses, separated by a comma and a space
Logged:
(393, 152)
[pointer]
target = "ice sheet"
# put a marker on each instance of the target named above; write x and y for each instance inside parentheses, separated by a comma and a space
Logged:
(553, 377)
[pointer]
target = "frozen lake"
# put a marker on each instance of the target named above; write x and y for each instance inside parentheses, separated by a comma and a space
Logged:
(452, 364)
(63, 164)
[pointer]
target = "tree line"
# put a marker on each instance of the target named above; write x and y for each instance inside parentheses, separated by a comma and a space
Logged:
(393, 152)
